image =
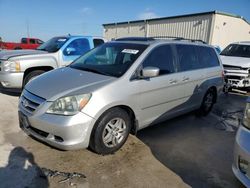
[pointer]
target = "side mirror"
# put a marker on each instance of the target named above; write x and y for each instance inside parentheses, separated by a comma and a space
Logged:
(70, 50)
(149, 72)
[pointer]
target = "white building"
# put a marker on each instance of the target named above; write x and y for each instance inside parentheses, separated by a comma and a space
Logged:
(216, 28)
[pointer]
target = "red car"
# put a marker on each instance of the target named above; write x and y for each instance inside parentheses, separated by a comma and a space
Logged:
(26, 43)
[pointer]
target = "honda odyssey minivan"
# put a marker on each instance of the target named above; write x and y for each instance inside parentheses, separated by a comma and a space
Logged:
(119, 88)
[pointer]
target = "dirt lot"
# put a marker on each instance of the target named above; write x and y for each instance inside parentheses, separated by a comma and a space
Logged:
(199, 150)
(22, 160)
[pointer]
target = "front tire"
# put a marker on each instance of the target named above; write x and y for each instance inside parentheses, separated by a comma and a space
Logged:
(31, 76)
(110, 131)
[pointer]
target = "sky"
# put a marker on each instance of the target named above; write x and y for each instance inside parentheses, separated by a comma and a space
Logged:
(45, 19)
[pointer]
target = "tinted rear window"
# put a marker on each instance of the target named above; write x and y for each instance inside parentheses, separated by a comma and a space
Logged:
(207, 57)
(187, 57)
(196, 57)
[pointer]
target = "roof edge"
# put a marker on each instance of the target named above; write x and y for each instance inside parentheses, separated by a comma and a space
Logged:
(231, 15)
(179, 16)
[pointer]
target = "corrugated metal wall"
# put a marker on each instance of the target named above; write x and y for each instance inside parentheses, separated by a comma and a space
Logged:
(137, 29)
(192, 27)
(187, 27)
(110, 32)
(124, 30)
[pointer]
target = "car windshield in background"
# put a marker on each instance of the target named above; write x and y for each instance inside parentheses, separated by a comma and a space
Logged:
(236, 50)
(112, 59)
(53, 45)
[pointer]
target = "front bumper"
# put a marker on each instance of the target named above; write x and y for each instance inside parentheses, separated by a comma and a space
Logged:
(242, 150)
(63, 132)
(11, 80)
(238, 83)
(237, 78)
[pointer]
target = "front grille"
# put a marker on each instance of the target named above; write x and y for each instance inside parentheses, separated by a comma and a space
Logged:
(229, 67)
(30, 102)
(234, 77)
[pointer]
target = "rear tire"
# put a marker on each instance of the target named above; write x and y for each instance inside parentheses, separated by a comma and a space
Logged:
(31, 76)
(207, 102)
(110, 131)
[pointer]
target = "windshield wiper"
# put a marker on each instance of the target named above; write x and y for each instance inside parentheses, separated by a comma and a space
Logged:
(92, 70)
(42, 49)
(227, 54)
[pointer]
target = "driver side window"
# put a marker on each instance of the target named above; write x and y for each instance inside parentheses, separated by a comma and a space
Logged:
(162, 58)
(77, 47)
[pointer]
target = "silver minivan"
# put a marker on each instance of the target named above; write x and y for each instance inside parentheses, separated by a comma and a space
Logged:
(119, 88)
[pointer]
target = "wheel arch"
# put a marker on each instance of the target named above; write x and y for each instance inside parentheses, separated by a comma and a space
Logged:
(29, 70)
(44, 68)
(127, 109)
(134, 121)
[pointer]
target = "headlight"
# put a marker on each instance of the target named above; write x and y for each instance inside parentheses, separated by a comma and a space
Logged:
(69, 105)
(11, 66)
(246, 119)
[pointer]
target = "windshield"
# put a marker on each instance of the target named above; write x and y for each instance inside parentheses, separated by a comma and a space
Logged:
(237, 50)
(53, 45)
(112, 59)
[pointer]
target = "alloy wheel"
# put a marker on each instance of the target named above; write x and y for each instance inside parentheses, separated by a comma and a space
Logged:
(114, 132)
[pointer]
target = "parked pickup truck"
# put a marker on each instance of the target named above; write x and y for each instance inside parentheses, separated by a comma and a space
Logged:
(18, 67)
(236, 62)
(26, 43)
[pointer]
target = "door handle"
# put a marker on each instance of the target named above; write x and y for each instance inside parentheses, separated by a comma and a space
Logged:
(185, 79)
(172, 81)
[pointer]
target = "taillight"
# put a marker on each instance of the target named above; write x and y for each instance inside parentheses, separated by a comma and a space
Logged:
(223, 74)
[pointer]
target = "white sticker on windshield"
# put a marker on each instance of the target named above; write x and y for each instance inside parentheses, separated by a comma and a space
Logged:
(61, 40)
(130, 51)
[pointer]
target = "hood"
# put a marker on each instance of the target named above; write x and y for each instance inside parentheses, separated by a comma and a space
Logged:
(66, 81)
(6, 54)
(235, 61)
